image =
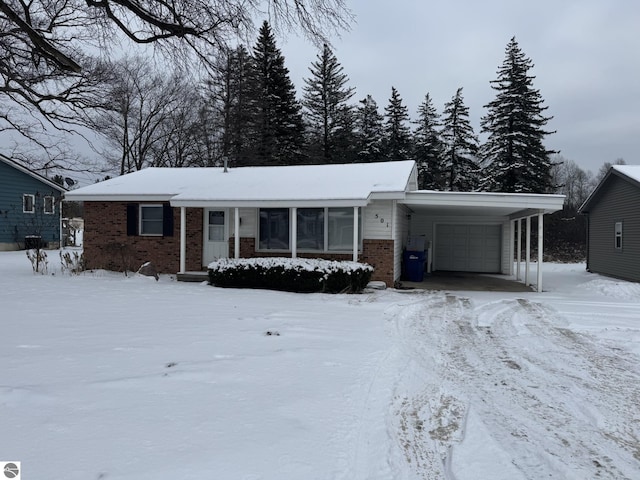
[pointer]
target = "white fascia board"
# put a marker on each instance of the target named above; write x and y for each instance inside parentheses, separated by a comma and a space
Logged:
(69, 196)
(268, 203)
(521, 201)
(386, 196)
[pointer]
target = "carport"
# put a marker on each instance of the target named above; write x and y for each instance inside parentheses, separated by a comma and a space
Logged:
(481, 232)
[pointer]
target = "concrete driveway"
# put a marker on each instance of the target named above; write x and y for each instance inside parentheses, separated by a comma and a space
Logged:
(462, 281)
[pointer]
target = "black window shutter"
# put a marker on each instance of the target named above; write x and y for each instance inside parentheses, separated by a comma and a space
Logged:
(132, 219)
(167, 220)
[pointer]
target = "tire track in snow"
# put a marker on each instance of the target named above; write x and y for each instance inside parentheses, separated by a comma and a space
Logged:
(564, 405)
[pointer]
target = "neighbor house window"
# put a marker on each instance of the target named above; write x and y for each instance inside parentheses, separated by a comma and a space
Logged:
(274, 229)
(49, 205)
(28, 203)
(310, 228)
(618, 230)
(151, 217)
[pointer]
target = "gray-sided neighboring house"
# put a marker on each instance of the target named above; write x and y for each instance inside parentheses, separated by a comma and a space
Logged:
(181, 219)
(613, 226)
(30, 208)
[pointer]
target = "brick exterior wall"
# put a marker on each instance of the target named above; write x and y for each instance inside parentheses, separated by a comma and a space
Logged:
(377, 253)
(107, 245)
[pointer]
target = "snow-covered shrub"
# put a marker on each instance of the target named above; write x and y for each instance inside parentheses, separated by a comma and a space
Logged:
(72, 262)
(38, 259)
(291, 275)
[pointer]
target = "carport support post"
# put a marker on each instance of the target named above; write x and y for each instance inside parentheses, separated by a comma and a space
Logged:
(294, 232)
(528, 253)
(236, 232)
(519, 254)
(512, 231)
(540, 245)
(183, 239)
(355, 234)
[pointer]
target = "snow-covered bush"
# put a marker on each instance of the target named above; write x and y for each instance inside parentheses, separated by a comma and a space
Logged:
(38, 259)
(291, 274)
(72, 262)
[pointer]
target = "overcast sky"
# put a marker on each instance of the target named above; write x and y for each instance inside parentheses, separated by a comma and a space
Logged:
(586, 56)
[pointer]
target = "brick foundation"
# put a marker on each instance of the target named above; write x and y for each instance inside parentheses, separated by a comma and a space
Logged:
(107, 245)
(377, 253)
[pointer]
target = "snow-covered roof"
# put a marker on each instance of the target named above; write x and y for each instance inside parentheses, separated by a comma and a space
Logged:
(629, 172)
(516, 205)
(345, 184)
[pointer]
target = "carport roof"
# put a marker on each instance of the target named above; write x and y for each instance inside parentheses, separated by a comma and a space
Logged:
(513, 205)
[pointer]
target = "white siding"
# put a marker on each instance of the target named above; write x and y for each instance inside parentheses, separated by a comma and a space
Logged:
(378, 220)
(248, 222)
(425, 225)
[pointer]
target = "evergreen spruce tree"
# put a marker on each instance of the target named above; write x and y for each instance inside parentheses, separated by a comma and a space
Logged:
(514, 155)
(277, 119)
(230, 105)
(460, 146)
(428, 147)
(368, 131)
(329, 117)
(397, 134)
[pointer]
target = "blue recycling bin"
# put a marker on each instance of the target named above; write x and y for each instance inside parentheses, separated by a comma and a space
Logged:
(414, 265)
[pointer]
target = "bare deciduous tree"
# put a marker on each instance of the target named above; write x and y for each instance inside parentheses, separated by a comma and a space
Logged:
(48, 72)
(571, 181)
(141, 102)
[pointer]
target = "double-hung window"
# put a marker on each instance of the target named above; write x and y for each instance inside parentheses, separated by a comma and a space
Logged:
(151, 217)
(28, 203)
(49, 205)
(618, 235)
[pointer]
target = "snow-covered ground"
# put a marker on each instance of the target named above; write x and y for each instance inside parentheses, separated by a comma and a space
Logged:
(111, 377)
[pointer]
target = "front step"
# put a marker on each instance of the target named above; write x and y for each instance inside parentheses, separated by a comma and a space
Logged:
(193, 277)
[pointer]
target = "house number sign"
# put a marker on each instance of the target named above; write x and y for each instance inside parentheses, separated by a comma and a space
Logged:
(382, 220)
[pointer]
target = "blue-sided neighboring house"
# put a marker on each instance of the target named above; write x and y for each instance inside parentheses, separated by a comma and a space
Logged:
(30, 212)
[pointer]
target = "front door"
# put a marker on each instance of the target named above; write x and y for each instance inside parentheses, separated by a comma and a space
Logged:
(216, 235)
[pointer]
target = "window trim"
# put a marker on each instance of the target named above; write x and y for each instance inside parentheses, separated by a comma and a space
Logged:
(259, 231)
(140, 219)
(618, 231)
(53, 205)
(325, 249)
(33, 203)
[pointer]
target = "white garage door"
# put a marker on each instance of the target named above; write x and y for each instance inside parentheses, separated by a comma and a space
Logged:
(468, 248)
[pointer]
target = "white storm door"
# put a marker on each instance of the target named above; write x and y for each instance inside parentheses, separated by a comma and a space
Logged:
(216, 235)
